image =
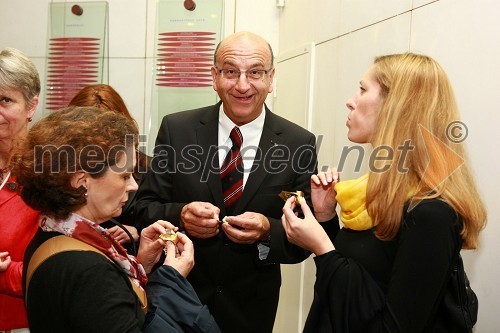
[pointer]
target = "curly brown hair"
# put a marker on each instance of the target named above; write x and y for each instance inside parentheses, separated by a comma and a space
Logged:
(67, 141)
(105, 97)
(101, 96)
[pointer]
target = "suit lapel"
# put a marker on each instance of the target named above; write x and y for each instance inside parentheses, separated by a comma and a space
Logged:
(207, 139)
(269, 138)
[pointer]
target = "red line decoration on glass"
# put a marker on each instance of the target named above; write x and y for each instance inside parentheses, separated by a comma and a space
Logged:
(73, 63)
(183, 39)
(187, 33)
(162, 65)
(184, 59)
(186, 49)
(185, 75)
(184, 84)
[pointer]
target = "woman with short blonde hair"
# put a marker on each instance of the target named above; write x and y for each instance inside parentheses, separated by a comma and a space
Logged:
(19, 90)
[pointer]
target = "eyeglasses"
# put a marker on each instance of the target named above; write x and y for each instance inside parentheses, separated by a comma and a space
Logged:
(251, 74)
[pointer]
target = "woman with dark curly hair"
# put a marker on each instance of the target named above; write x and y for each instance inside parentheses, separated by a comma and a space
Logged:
(76, 167)
(105, 97)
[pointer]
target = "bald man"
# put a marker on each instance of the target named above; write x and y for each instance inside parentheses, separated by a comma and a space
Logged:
(237, 232)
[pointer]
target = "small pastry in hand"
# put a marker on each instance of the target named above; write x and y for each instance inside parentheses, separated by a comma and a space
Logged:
(170, 235)
(285, 195)
(224, 220)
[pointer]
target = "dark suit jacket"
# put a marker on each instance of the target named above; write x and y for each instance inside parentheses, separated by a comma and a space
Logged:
(240, 290)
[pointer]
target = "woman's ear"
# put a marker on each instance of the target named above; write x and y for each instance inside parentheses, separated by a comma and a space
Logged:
(79, 179)
(32, 110)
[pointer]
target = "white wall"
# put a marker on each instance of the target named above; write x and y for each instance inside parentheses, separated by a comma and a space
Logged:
(340, 39)
(131, 39)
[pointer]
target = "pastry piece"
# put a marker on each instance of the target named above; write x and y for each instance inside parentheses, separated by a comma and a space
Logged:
(224, 220)
(169, 236)
(285, 195)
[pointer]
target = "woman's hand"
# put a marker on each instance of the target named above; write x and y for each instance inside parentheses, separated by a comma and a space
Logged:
(151, 246)
(323, 194)
(307, 232)
(4, 261)
(181, 255)
(121, 236)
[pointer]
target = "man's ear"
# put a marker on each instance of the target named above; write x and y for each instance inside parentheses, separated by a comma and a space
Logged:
(79, 179)
(213, 70)
(271, 83)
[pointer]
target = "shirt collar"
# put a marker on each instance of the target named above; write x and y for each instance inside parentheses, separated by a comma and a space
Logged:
(247, 131)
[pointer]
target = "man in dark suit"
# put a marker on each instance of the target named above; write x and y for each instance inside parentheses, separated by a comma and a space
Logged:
(237, 271)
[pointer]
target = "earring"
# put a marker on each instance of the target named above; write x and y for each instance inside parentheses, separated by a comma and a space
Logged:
(85, 195)
(30, 119)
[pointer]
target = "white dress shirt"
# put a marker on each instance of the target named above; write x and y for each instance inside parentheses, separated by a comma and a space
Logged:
(251, 133)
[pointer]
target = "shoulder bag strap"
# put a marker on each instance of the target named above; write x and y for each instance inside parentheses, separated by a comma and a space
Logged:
(64, 243)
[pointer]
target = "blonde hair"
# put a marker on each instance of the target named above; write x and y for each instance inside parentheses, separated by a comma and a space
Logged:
(18, 72)
(419, 100)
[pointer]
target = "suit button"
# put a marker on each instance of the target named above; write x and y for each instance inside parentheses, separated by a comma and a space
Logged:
(218, 289)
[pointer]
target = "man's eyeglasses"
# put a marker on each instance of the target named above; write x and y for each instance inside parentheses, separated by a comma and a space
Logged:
(251, 74)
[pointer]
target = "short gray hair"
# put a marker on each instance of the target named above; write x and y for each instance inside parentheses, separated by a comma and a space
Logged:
(17, 72)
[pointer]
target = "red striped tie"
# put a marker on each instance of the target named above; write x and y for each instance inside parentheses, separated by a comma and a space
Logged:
(231, 172)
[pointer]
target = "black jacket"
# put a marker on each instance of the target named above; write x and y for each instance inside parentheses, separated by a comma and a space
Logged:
(240, 290)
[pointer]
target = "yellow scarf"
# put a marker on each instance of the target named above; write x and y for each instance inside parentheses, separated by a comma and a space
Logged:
(351, 196)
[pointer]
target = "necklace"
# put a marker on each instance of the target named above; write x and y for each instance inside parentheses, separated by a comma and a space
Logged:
(4, 175)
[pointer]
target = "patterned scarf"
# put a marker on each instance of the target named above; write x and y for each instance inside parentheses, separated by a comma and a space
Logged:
(91, 233)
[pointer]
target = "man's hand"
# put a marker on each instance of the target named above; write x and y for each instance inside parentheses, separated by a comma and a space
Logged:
(200, 219)
(246, 228)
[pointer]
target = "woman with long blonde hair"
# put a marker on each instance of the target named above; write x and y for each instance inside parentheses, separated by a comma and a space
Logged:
(405, 221)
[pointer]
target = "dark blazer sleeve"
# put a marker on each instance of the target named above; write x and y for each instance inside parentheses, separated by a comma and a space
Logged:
(177, 173)
(155, 196)
(303, 165)
(174, 305)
